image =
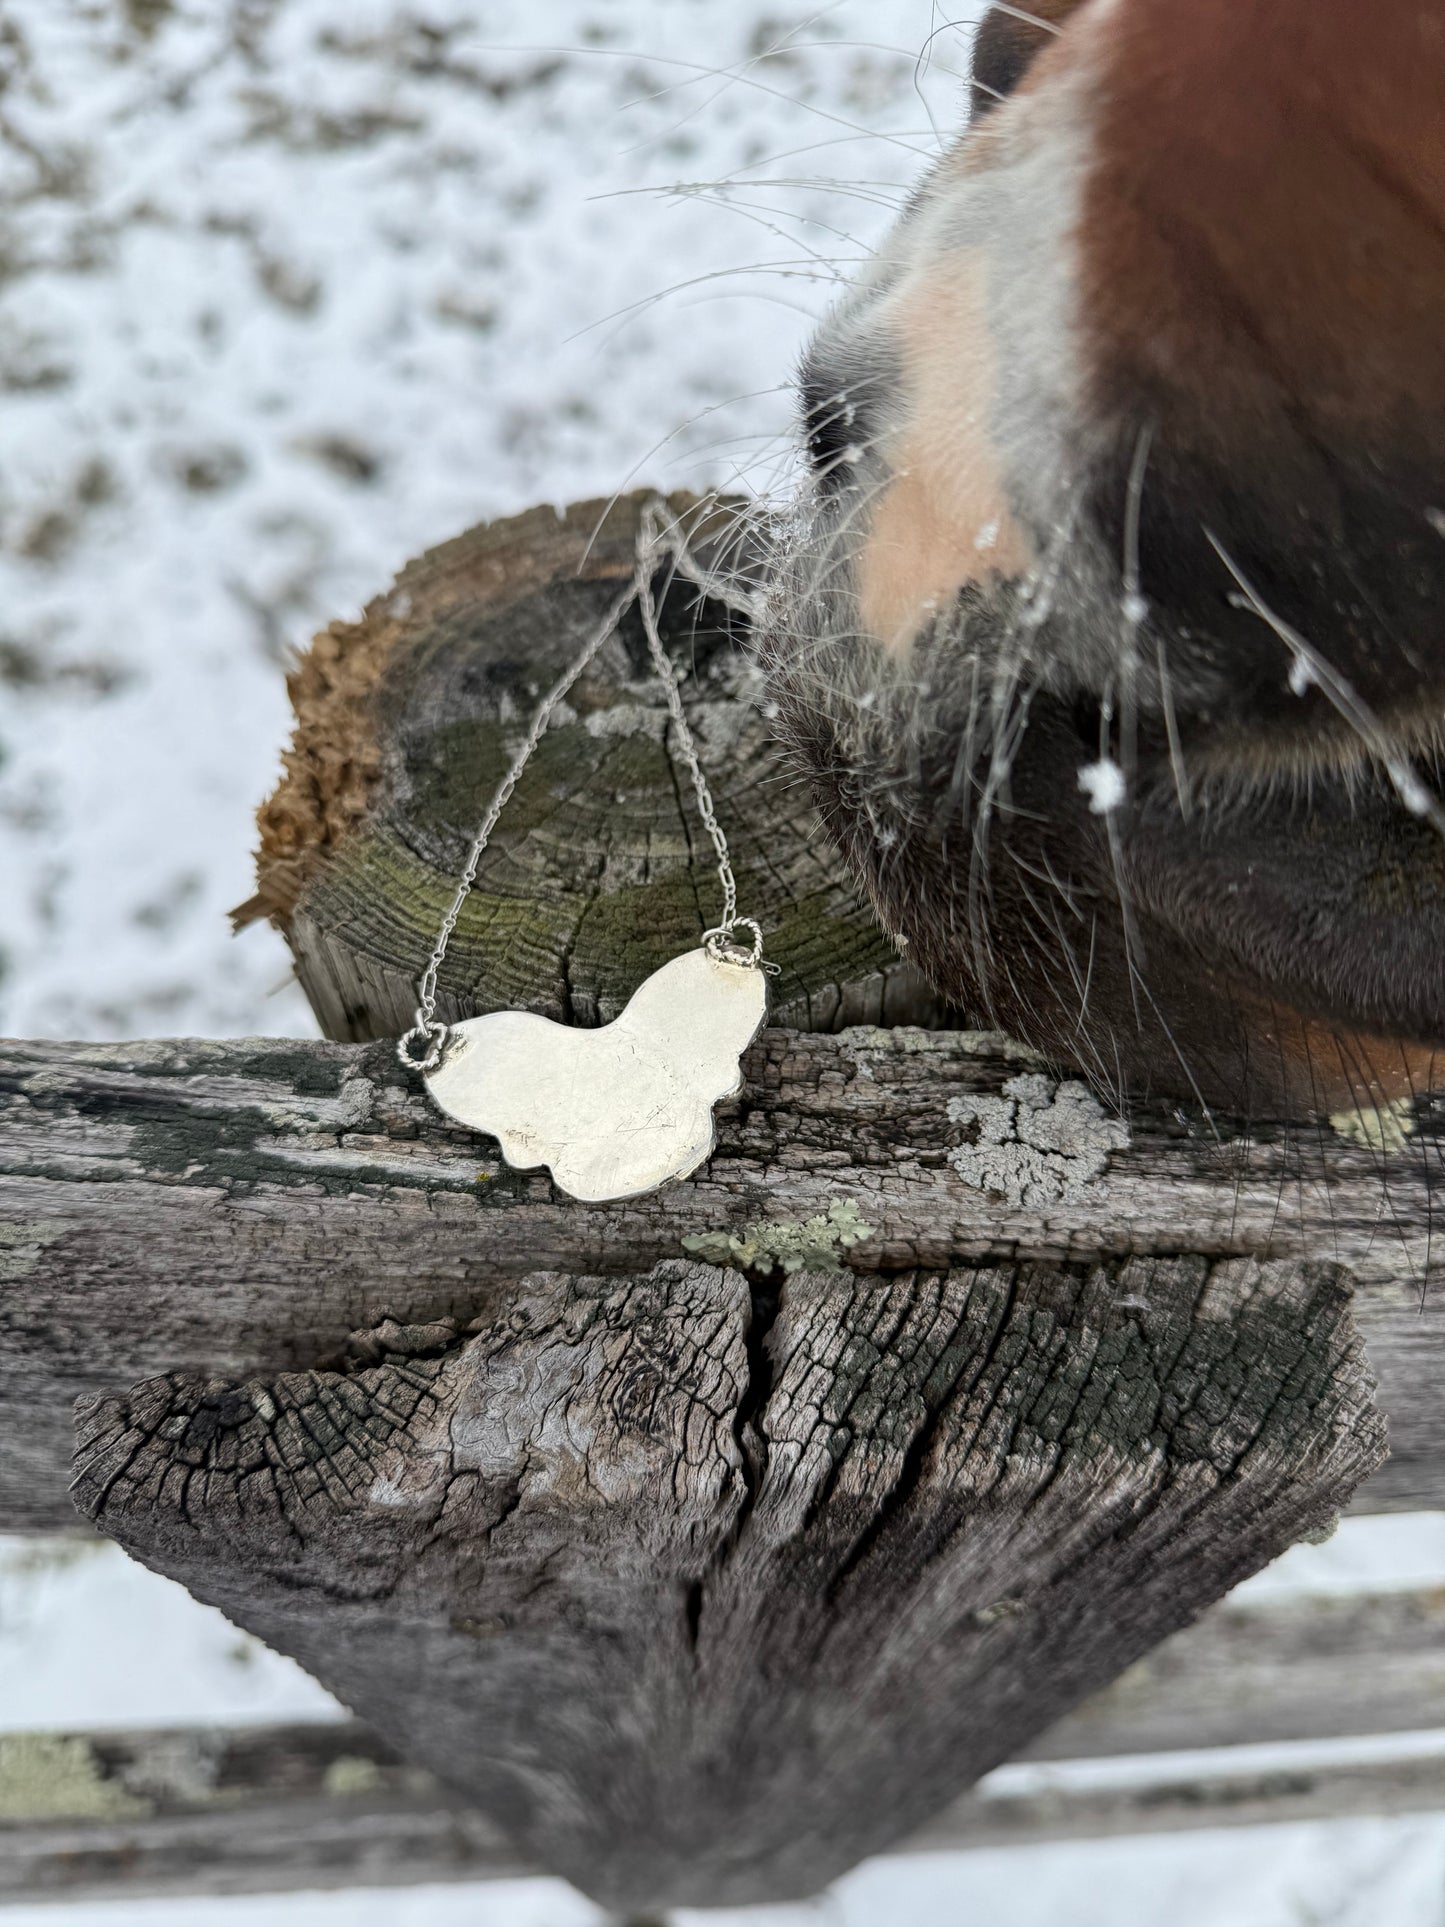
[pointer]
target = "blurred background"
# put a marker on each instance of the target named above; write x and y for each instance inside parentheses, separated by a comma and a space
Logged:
(290, 290)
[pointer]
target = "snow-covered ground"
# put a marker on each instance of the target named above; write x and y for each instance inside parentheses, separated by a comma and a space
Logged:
(290, 289)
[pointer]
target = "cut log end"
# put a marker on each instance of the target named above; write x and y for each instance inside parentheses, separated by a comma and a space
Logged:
(706, 1593)
(600, 869)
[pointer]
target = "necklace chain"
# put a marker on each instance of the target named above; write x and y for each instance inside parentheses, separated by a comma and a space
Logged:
(659, 539)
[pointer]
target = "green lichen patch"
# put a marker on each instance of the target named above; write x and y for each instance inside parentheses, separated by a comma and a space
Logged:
(21, 1243)
(821, 942)
(626, 934)
(817, 1244)
(506, 953)
(462, 766)
(352, 1775)
(48, 1776)
(1387, 1127)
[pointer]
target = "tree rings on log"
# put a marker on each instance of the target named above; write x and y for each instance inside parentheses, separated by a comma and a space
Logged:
(599, 870)
(705, 1590)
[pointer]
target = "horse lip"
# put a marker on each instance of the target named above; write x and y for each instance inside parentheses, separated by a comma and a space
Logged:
(1330, 897)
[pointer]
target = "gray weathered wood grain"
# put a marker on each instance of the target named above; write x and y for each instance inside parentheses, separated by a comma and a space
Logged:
(1274, 1669)
(700, 1583)
(238, 1208)
(702, 1591)
(1239, 1796)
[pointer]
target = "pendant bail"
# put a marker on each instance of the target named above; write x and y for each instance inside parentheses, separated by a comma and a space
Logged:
(723, 947)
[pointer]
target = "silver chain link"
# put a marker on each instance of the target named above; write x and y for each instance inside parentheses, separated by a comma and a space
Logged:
(651, 548)
(658, 539)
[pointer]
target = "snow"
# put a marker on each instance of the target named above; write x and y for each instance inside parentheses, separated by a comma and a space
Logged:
(1104, 785)
(1135, 609)
(90, 1639)
(289, 290)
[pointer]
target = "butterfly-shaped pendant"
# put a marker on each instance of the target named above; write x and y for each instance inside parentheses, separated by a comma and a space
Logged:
(616, 1111)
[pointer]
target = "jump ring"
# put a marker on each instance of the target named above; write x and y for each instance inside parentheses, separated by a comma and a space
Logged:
(433, 1033)
(722, 946)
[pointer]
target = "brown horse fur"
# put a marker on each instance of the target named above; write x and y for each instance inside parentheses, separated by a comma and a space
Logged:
(1109, 630)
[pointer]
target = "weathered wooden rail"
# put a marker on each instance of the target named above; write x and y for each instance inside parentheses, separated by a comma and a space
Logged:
(357, 1818)
(231, 1213)
(240, 1208)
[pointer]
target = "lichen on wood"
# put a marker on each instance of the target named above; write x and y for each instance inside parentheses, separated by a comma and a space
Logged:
(1037, 1142)
(816, 1244)
(1381, 1128)
(50, 1776)
(701, 1581)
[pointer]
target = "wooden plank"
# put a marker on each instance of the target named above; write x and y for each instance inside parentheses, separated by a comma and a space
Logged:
(206, 1811)
(385, 1839)
(202, 1811)
(1245, 1796)
(238, 1208)
(1304, 1668)
(239, 1810)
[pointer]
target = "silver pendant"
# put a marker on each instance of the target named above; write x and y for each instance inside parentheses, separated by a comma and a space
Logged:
(616, 1111)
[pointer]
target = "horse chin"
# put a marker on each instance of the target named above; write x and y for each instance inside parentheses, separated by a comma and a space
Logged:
(1261, 944)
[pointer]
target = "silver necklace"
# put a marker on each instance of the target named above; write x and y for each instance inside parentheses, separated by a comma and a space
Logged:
(621, 1110)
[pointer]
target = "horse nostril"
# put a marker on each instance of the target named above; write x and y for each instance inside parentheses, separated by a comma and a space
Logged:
(1008, 40)
(830, 420)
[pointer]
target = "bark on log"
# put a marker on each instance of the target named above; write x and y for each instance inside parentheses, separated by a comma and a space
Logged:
(705, 1594)
(599, 870)
(236, 1209)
